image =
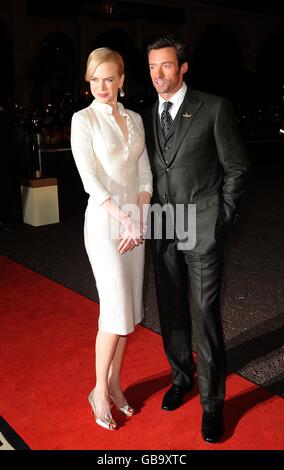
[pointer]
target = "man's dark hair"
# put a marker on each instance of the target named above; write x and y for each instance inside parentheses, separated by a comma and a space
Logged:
(169, 40)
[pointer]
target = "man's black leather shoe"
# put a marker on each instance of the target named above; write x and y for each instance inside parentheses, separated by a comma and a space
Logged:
(173, 398)
(212, 426)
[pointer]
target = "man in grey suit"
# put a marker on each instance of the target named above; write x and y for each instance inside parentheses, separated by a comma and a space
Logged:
(197, 157)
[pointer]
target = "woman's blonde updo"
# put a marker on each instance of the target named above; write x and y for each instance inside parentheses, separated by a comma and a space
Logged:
(98, 57)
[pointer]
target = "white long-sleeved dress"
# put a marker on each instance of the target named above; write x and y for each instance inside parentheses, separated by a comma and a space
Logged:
(111, 167)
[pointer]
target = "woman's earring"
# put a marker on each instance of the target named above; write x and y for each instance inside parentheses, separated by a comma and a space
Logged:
(121, 93)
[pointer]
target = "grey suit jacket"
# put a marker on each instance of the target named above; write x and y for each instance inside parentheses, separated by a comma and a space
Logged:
(207, 163)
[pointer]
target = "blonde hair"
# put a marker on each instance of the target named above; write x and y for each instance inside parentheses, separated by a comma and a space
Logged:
(99, 56)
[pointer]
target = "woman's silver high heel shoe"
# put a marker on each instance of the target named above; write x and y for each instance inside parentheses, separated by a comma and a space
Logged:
(126, 409)
(107, 422)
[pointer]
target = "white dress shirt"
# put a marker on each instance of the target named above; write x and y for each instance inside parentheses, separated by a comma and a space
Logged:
(176, 99)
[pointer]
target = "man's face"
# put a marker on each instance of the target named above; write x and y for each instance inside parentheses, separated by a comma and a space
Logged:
(166, 74)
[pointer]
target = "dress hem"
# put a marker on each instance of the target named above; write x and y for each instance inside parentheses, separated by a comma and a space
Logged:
(120, 333)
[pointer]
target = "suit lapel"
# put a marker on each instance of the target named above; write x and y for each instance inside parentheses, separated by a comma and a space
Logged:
(185, 117)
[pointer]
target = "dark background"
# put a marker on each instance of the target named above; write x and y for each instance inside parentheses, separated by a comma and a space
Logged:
(236, 50)
(236, 47)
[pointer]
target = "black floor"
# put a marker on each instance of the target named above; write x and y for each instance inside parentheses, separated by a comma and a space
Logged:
(253, 290)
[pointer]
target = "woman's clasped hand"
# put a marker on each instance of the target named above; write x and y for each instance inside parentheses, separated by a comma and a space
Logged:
(132, 235)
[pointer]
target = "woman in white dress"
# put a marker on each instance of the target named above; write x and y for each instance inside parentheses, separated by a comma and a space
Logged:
(108, 146)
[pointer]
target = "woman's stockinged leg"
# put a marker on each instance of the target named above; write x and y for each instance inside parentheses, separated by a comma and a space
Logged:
(114, 384)
(115, 367)
(106, 344)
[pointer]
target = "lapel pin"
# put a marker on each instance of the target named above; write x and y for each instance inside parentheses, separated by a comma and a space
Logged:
(187, 115)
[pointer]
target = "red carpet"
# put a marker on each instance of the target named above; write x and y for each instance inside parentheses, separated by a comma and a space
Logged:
(46, 362)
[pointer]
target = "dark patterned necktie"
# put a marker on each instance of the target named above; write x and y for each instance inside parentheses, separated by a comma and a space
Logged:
(166, 118)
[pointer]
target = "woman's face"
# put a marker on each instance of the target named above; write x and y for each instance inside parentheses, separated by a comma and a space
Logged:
(105, 82)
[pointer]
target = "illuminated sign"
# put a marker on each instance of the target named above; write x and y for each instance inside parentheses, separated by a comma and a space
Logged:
(111, 10)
